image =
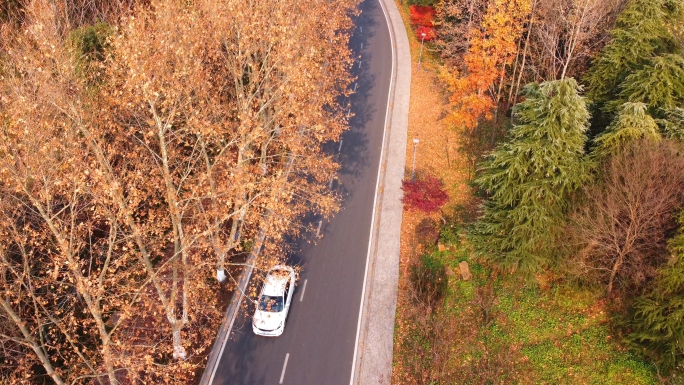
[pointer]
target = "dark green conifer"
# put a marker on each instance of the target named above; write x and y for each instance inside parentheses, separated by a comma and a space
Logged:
(658, 317)
(640, 48)
(632, 123)
(530, 177)
(659, 84)
(673, 123)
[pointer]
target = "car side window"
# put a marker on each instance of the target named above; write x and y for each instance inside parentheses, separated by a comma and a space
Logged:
(287, 290)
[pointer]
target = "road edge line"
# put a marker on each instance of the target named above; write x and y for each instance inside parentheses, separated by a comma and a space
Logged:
(384, 245)
(371, 237)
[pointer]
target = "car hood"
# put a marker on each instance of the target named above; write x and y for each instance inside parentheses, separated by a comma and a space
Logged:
(267, 320)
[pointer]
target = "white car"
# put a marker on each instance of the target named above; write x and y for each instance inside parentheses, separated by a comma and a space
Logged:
(274, 302)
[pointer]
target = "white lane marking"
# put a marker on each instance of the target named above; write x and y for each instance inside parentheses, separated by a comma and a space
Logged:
(361, 45)
(287, 356)
(318, 231)
(375, 200)
(340, 148)
(361, 28)
(355, 84)
(360, 63)
(303, 290)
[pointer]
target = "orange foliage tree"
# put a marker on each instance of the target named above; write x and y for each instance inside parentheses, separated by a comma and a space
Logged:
(493, 48)
(202, 127)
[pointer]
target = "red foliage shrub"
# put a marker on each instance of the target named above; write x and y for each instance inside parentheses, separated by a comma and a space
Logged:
(428, 31)
(426, 194)
(422, 18)
(422, 15)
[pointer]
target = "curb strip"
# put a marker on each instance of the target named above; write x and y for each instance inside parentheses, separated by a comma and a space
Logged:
(375, 343)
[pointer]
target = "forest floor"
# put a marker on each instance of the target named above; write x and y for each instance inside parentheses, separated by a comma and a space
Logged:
(497, 328)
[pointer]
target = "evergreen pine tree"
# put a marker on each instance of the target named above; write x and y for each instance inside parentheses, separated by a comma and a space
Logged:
(641, 34)
(659, 84)
(530, 177)
(673, 123)
(657, 321)
(633, 122)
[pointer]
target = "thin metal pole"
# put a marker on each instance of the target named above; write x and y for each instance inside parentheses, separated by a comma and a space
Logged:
(413, 166)
(420, 56)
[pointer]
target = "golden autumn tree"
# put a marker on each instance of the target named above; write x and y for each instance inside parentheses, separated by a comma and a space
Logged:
(283, 110)
(476, 90)
(457, 19)
(200, 138)
(215, 121)
(69, 284)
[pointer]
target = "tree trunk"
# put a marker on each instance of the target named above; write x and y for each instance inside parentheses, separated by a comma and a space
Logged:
(178, 349)
(502, 76)
(107, 354)
(574, 36)
(136, 233)
(613, 273)
(524, 57)
(515, 72)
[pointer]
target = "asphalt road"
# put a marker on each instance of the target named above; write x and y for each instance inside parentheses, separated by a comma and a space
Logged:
(318, 344)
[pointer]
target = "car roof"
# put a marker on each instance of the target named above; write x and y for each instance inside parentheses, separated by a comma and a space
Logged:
(275, 282)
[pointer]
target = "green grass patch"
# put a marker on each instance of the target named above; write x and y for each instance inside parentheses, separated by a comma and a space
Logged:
(540, 333)
(565, 338)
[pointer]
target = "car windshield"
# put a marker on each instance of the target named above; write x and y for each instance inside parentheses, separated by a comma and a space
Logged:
(271, 304)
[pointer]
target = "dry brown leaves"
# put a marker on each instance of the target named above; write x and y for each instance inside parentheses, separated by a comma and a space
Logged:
(436, 154)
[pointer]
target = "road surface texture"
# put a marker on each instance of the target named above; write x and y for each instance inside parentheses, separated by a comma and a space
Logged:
(318, 345)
